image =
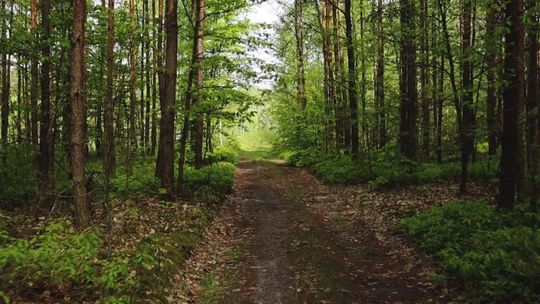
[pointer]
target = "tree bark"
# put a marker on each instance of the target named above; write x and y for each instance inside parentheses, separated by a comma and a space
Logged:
(379, 78)
(532, 89)
(110, 144)
(491, 55)
(45, 131)
(408, 88)
(199, 82)
(466, 139)
(189, 97)
(6, 91)
(512, 179)
(34, 73)
(300, 73)
(351, 65)
(132, 139)
(78, 114)
(169, 92)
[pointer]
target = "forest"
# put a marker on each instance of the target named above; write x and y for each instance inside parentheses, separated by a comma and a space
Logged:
(269, 151)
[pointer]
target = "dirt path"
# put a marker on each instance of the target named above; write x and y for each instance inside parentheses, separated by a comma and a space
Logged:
(288, 252)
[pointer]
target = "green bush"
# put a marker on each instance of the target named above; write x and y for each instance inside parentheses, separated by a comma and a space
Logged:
(494, 253)
(17, 177)
(58, 256)
(224, 154)
(211, 183)
(341, 171)
(141, 181)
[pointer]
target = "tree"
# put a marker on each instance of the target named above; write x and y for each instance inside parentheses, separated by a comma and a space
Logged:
(351, 64)
(299, 37)
(379, 77)
(78, 118)
(195, 75)
(169, 96)
(110, 145)
(46, 125)
(199, 13)
(408, 86)
(512, 177)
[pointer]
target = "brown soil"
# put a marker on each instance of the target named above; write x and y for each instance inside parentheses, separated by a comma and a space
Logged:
(295, 250)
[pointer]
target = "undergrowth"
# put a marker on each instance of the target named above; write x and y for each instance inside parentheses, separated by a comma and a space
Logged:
(496, 254)
(384, 168)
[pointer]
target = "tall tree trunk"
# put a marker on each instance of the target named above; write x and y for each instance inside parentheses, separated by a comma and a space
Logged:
(300, 74)
(199, 81)
(363, 80)
(424, 74)
(532, 89)
(169, 92)
(351, 64)
(379, 78)
(110, 144)
(491, 55)
(512, 179)
(34, 72)
(326, 30)
(467, 95)
(6, 88)
(155, 58)
(148, 82)
(161, 85)
(189, 97)
(78, 113)
(132, 139)
(408, 88)
(45, 131)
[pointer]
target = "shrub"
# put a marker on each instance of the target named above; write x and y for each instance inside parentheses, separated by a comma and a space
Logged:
(492, 252)
(211, 183)
(338, 171)
(17, 177)
(141, 181)
(452, 222)
(224, 154)
(57, 256)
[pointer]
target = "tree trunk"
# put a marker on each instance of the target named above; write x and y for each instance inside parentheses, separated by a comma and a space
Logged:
(110, 144)
(512, 179)
(189, 97)
(532, 90)
(153, 133)
(199, 82)
(34, 73)
(6, 90)
(45, 131)
(466, 139)
(169, 90)
(299, 35)
(78, 113)
(408, 89)
(424, 74)
(161, 85)
(351, 64)
(132, 139)
(491, 55)
(379, 78)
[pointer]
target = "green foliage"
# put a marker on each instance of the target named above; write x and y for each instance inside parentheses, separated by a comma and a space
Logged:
(58, 256)
(224, 154)
(384, 168)
(211, 183)
(497, 254)
(17, 177)
(141, 181)
(55, 256)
